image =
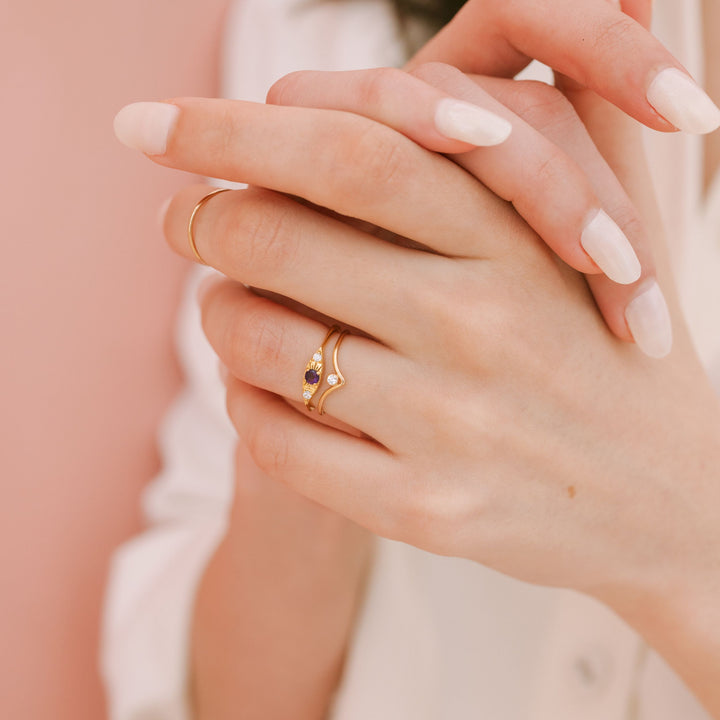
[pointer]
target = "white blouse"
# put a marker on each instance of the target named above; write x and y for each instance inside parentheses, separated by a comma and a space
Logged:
(437, 637)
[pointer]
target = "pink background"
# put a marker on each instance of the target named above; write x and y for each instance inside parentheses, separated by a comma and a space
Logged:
(88, 294)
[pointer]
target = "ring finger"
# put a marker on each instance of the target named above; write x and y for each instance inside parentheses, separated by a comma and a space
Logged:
(269, 346)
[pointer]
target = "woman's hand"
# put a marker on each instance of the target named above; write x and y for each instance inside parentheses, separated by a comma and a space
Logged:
(507, 424)
(495, 344)
(591, 41)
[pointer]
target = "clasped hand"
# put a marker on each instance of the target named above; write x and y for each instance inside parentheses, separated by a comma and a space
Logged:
(499, 419)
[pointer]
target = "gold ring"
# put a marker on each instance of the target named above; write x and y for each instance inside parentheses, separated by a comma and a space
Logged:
(313, 376)
(196, 209)
(336, 379)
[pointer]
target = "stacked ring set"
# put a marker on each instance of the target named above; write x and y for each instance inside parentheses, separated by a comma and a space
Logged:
(315, 370)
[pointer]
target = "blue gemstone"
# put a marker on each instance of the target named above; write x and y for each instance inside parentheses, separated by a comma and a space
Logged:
(311, 377)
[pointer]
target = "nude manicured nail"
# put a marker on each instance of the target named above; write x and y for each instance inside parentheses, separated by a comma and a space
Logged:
(608, 246)
(146, 126)
(682, 102)
(649, 321)
(469, 123)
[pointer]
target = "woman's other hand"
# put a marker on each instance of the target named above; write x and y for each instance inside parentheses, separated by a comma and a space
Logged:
(547, 166)
(277, 605)
(591, 41)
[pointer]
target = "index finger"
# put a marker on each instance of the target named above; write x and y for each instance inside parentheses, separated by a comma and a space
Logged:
(598, 46)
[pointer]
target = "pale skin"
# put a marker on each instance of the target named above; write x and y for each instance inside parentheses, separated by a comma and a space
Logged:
(475, 493)
(689, 648)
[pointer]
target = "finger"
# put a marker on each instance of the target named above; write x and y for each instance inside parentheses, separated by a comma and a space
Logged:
(432, 118)
(336, 160)
(269, 241)
(546, 186)
(352, 476)
(616, 302)
(594, 43)
(269, 346)
(646, 316)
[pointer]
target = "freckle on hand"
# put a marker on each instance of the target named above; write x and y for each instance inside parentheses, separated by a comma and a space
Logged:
(571, 491)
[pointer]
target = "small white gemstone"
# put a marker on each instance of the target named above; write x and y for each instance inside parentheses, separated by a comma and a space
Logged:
(307, 395)
(317, 357)
(333, 379)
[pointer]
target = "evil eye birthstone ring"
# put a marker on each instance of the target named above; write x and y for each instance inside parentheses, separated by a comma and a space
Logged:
(314, 370)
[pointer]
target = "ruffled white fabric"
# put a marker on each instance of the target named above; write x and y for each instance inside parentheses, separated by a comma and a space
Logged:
(437, 637)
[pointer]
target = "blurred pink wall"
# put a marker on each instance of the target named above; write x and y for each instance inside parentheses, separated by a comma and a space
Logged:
(88, 294)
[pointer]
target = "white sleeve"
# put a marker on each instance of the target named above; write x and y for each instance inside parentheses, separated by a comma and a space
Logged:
(154, 577)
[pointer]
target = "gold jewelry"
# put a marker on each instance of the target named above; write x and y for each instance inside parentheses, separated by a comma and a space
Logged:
(191, 222)
(314, 370)
(336, 380)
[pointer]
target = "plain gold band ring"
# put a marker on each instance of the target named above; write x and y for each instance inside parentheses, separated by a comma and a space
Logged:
(191, 222)
(336, 379)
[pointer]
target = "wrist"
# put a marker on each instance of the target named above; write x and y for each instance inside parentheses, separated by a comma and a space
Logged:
(674, 602)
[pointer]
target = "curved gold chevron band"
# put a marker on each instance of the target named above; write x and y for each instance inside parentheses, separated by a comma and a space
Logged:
(191, 222)
(314, 370)
(336, 379)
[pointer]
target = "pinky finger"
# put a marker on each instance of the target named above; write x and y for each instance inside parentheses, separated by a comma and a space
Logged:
(353, 476)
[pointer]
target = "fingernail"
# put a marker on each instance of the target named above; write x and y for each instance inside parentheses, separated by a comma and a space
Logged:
(162, 212)
(649, 321)
(146, 126)
(206, 284)
(608, 246)
(682, 102)
(469, 123)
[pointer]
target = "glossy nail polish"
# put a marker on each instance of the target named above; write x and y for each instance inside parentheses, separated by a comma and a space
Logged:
(146, 126)
(469, 123)
(649, 321)
(682, 102)
(608, 246)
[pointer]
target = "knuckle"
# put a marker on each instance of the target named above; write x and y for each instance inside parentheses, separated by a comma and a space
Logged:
(613, 34)
(268, 445)
(435, 73)
(543, 106)
(258, 344)
(552, 167)
(378, 85)
(260, 235)
(282, 91)
(367, 163)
